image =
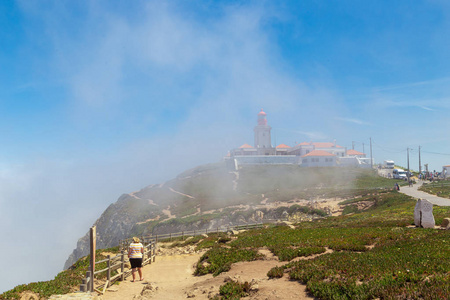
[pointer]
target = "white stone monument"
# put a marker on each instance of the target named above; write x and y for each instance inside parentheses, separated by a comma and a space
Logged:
(423, 214)
(417, 214)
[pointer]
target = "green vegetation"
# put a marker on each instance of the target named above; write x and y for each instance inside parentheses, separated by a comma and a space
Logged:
(374, 252)
(400, 266)
(233, 290)
(65, 282)
(219, 259)
(369, 252)
(276, 272)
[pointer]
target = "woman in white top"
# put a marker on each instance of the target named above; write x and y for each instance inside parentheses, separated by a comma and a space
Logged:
(135, 254)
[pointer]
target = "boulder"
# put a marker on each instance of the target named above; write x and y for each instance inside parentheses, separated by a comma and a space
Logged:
(446, 223)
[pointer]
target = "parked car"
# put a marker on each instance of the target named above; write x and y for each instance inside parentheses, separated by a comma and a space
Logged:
(399, 174)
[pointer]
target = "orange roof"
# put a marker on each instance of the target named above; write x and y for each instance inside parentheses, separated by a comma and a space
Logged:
(245, 146)
(354, 152)
(283, 146)
(318, 153)
(320, 145)
(326, 145)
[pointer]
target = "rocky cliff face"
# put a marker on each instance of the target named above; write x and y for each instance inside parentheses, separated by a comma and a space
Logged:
(208, 197)
(113, 225)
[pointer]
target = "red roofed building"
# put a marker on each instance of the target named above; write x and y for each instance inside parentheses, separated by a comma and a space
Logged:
(245, 149)
(352, 152)
(319, 158)
(306, 147)
(246, 146)
(283, 146)
(283, 149)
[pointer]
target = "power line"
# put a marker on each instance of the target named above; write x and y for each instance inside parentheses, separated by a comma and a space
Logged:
(386, 148)
(437, 153)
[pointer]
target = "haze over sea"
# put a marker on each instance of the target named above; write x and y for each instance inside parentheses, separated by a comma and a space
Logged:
(100, 98)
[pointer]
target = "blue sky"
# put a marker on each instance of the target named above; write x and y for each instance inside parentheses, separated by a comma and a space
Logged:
(100, 98)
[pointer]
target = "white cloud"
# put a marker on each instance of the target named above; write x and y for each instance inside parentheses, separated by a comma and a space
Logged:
(353, 121)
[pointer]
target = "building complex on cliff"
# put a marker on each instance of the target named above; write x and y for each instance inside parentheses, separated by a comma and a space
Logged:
(306, 154)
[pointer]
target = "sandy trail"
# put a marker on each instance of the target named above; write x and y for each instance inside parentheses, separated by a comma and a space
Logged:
(169, 275)
(170, 278)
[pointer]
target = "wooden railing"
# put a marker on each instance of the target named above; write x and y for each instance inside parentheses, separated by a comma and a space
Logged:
(119, 261)
(114, 264)
(123, 244)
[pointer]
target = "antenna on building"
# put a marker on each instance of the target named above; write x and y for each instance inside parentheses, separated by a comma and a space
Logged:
(275, 137)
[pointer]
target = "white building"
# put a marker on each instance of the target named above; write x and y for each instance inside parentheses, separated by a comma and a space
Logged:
(308, 154)
(318, 158)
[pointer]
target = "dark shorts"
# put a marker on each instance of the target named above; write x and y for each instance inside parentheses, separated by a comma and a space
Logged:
(136, 263)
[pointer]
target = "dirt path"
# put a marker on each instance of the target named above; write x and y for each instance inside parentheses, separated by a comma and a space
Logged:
(170, 278)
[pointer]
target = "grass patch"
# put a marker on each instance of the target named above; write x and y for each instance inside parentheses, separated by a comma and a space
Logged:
(438, 188)
(233, 290)
(375, 255)
(276, 272)
(65, 282)
(398, 266)
(218, 260)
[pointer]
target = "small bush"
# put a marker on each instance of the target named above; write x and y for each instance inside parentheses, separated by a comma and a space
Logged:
(218, 260)
(276, 272)
(234, 290)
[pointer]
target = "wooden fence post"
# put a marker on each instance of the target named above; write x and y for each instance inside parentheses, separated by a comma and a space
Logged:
(108, 274)
(122, 266)
(93, 239)
(154, 250)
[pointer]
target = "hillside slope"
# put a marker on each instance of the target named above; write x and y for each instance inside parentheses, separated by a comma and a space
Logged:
(212, 195)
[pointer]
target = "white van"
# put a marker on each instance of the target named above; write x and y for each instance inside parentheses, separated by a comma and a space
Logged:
(388, 164)
(399, 174)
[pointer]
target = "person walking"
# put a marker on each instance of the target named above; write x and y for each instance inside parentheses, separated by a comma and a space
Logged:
(135, 255)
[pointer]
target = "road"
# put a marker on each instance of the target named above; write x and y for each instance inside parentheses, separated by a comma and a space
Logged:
(413, 192)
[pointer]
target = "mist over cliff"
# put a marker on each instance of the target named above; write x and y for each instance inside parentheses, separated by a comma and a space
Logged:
(214, 195)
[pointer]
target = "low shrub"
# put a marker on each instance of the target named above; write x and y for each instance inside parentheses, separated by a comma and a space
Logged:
(276, 272)
(234, 290)
(218, 260)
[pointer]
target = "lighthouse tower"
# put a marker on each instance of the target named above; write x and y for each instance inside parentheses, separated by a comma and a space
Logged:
(262, 136)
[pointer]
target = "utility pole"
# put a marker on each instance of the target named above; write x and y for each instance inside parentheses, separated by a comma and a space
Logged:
(407, 153)
(371, 159)
(420, 165)
(353, 145)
